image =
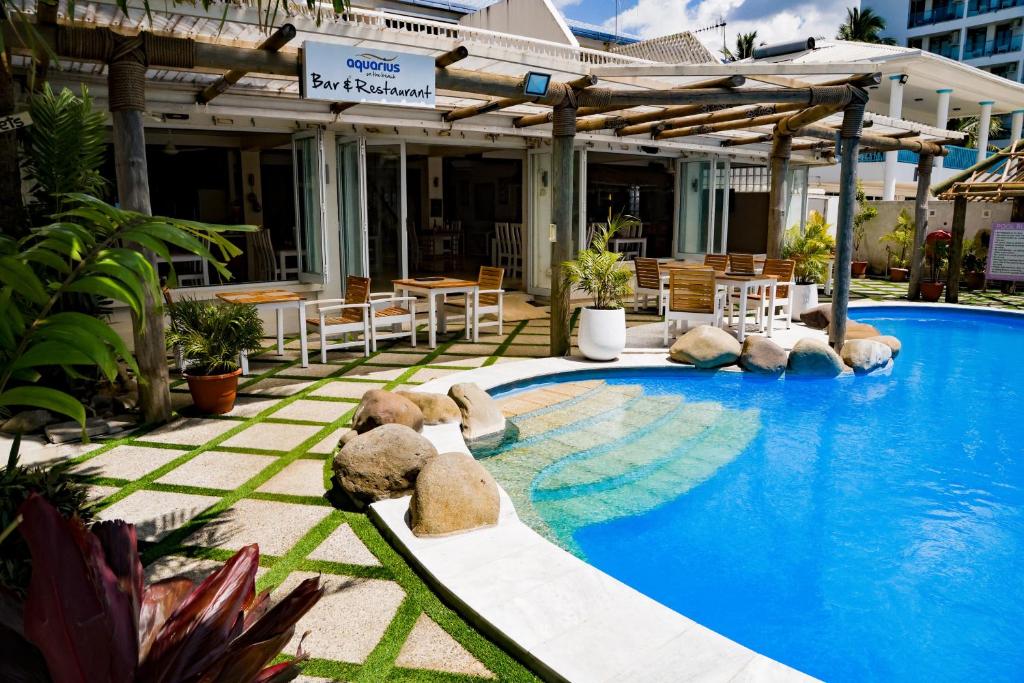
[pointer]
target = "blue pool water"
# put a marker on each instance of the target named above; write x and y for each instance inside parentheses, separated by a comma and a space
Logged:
(868, 529)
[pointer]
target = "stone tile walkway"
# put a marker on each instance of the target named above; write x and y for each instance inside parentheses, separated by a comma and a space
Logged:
(883, 290)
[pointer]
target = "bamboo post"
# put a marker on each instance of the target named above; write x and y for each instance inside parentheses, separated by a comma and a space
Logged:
(782, 146)
(853, 118)
(956, 250)
(924, 179)
(563, 133)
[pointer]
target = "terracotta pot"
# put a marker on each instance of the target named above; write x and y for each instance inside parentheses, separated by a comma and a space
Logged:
(974, 280)
(898, 274)
(931, 291)
(213, 394)
(858, 268)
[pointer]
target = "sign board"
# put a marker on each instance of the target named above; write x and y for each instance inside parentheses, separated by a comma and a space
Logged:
(14, 122)
(1006, 252)
(345, 73)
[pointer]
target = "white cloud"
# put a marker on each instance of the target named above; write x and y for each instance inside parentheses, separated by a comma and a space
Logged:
(561, 4)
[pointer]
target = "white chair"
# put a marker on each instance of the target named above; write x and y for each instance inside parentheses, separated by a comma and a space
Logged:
(783, 270)
(342, 317)
(649, 283)
(490, 300)
(389, 314)
(693, 297)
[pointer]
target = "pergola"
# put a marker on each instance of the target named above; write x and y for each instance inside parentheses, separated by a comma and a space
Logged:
(766, 99)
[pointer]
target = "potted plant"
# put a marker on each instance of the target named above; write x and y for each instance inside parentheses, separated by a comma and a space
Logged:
(865, 212)
(811, 251)
(601, 274)
(900, 239)
(973, 268)
(936, 251)
(210, 338)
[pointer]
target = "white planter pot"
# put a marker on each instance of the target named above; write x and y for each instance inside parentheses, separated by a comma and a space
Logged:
(804, 297)
(602, 334)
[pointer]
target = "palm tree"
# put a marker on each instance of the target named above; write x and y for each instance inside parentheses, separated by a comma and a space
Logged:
(744, 47)
(972, 126)
(863, 26)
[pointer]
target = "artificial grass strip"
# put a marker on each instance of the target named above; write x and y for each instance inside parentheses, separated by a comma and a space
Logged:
(330, 669)
(381, 660)
(365, 571)
(503, 347)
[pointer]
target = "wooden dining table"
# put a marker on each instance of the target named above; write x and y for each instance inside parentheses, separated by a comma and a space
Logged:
(278, 300)
(747, 284)
(435, 290)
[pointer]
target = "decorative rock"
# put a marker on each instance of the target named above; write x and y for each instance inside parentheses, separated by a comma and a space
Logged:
(381, 463)
(454, 493)
(763, 356)
(811, 357)
(706, 347)
(346, 437)
(66, 432)
(380, 407)
(28, 421)
(894, 344)
(436, 408)
(817, 318)
(865, 355)
(481, 414)
(856, 330)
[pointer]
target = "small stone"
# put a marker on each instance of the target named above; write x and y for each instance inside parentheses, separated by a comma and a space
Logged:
(894, 344)
(379, 407)
(28, 421)
(381, 463)
(481, 414)
(763, 356)
(706, 347)
(856, 330)
(817, 318)
(865, 355)
(436, 408)
(346, 437)
(454, 493)
(67, 432)
(814, 358)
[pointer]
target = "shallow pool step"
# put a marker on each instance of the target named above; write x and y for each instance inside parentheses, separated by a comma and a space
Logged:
(553, 396)
(597, 403)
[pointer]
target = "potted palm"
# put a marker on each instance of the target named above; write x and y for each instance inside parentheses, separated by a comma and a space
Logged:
(865, 212)
(936, 251)
(811, 251)
(900, 239)
(601, 274)
(210, 338)
(973, 269)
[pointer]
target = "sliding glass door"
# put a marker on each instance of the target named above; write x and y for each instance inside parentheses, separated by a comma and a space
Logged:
(702, 218)
(385, 213)
(352, 205)
(308, 169)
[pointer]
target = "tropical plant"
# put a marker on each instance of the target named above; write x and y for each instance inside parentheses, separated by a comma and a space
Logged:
(975, 256)
(211, 335)
(83, 252)
(810, 249)
(600, 272)
(861, 215)
(863, 26)
(744, 47)
(972, 126)
(89, 616)
(901, 237)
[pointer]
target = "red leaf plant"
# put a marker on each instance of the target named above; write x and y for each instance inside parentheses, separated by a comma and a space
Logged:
(92, 618)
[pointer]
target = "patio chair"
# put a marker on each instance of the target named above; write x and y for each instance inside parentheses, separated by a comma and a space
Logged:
(693, 297)
(720, 262)
(392, 312)
(741, 263)
(342, 317)
(783, 270)
(649, 283)
(491, 298)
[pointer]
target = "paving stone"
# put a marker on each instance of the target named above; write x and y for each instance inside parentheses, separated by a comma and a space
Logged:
(276, 386)
(528, 350)
(246, 406)
(333, 633)
(190, 431)
(156, 513)
(375, 372)
(344, 389)
(430, 647)
(298, 478)
(315, 369)
(330, 443)
(460, 361)
(272, 437)
(344, 546)
(312, 411)
(427, 374)
(481, 349)
(169, 566)
(218, 470)
(128, 462)
(98, 493)
(405, 359)
(275, 526)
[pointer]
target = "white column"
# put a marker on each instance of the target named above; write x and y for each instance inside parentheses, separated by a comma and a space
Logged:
(1016, 123)
(895, 112)
(984, 121)
(942, 116)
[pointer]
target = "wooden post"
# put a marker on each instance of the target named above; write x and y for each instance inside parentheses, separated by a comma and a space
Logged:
(853, 118)
(563, 133)
(13, 220)
(956, 250)
(924, 179)
(777, 199)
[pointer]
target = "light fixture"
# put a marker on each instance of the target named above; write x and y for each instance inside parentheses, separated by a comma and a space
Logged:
(536, 84)
(903, 79)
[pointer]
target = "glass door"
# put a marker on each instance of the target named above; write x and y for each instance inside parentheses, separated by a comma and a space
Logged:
(352, 206)
(385, 202)
(539, 268)
(694, 208)
(308, 169)
(719, 237)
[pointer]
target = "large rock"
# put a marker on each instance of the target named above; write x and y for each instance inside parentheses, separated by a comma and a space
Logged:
(706, 347)
(856, 330)
(814, 358)
(894, 344)
(380, 407)
(28, 421)
(865, 355)
(381, 463)
(763, 356)
(481, 414)
(436, 408)
(817, 318)
(454, 493)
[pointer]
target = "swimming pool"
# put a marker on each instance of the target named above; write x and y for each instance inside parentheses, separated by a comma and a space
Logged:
(867, 528)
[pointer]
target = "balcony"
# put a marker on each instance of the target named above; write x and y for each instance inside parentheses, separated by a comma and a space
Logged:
(958, 158)
(945, 50)
(936, 15)
(999, 46)
(986, 6)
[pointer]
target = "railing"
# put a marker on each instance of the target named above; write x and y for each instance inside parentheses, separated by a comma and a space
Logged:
(998, 46)
(946, 50)
(976, 7)
(936, 15)
(958, 158)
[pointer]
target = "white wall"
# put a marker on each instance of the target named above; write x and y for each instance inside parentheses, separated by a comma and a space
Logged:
(532, 18)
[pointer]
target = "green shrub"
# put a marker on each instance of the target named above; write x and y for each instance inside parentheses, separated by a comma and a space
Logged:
(600, 272)
(810, 249)
(212, 335)
(901, 238)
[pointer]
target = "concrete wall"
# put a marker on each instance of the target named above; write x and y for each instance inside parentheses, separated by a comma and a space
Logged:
(532, 18)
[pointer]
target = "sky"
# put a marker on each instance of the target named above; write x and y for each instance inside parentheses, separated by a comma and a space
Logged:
(774, 20)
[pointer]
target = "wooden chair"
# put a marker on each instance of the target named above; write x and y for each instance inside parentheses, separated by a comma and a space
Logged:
(261, 251)
(342, 317)
(741, 263)
(783, 270)
(392, 312)
(491, 298)
(693, 297)
(720, 262)
(649, 283)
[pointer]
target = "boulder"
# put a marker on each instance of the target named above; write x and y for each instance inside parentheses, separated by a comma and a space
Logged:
(436, 408)
(28, 421)
(818, 317)
(706, 347)
(893, 343)
(763, 356)
(856, 330)
(454, 493)
(481, 414)
(381, 463)
(814, 358)
(380, 407)
(865, 355)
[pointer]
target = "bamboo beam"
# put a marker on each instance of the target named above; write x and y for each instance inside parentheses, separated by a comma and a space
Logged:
(924, 178)
(791, 124)
(810, 146)
(709, 118)
(274, 42)
(880, 142)
(736, 142)
(956, 249)
(485, 108)
(983, 165)
(718, 127)
(456, 54)
(621, 121)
